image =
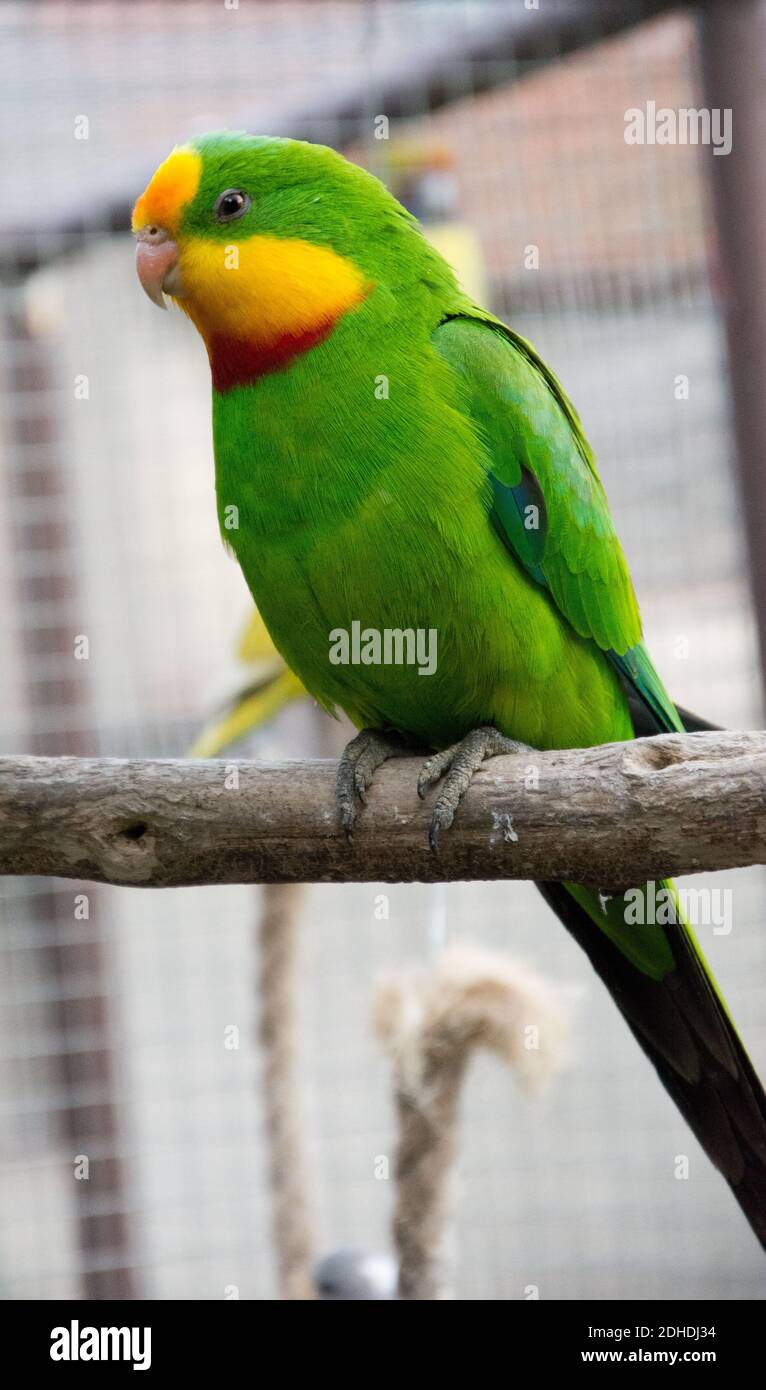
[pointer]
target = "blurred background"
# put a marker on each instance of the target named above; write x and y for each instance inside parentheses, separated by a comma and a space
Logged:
(506, 127)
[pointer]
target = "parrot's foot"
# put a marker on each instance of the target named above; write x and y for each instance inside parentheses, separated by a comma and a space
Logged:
(457, 765)
(359, 762)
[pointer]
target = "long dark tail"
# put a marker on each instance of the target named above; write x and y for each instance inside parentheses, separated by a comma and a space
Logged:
(679, 1018)
(646, 725)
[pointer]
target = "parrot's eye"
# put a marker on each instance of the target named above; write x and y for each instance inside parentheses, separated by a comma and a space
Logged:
(231, 204)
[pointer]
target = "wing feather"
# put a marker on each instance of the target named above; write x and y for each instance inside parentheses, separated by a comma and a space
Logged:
(549, 505)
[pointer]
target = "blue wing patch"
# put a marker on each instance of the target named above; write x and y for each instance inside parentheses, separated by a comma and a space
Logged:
(519, 515)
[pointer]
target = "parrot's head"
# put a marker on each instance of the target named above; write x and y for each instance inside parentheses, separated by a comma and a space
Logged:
(266, 244)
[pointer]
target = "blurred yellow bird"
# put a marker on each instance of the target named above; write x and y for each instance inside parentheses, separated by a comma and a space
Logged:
(270, 686)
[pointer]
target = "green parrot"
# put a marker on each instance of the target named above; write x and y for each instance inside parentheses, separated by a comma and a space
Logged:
(391, 458)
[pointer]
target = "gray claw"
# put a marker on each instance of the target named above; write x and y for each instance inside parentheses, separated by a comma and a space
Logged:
(361, 758)
(347, 814)
(458, 765)
(432, 770)
(360, 787)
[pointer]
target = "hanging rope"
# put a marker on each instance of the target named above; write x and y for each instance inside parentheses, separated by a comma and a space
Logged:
(292, 1219)
(431, 1022)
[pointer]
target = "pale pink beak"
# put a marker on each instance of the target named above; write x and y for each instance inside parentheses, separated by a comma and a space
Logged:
(157, 264)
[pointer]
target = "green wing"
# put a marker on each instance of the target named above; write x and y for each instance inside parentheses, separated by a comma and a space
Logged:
(549, 506)
(550, 510)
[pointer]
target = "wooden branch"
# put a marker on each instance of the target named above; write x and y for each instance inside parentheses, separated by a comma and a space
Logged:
(609, 816)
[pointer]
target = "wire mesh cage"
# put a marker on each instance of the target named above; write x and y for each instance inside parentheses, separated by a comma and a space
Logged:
(133, 1144)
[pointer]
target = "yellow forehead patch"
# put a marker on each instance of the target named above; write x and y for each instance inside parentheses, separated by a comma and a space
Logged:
(173, 185)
